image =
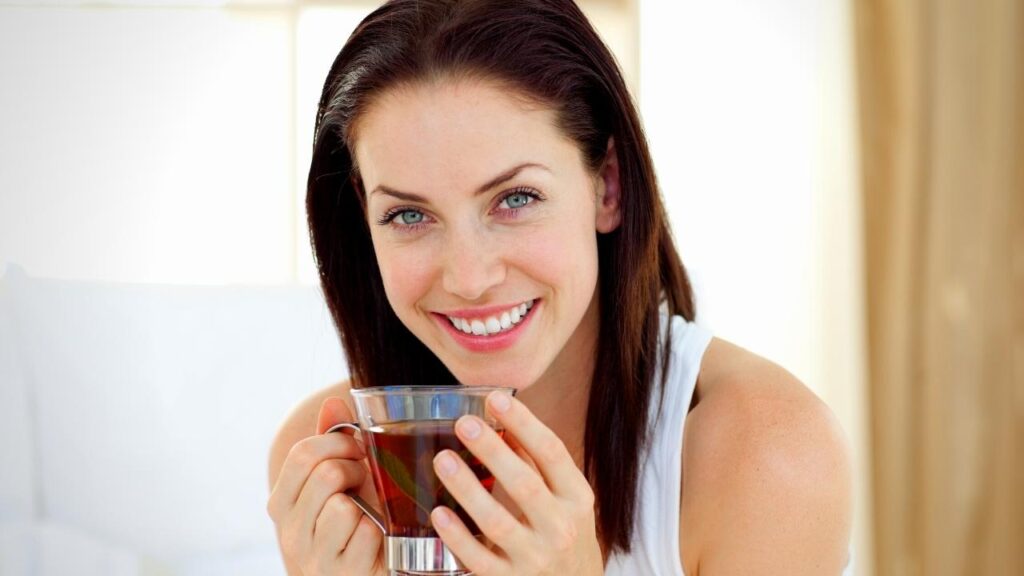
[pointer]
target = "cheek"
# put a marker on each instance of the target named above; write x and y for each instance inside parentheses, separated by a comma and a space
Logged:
(407, 274)
(564, 257)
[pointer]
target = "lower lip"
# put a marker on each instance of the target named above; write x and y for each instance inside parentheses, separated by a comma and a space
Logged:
(499, 341)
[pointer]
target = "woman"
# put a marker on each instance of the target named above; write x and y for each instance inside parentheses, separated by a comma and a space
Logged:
(483, 210)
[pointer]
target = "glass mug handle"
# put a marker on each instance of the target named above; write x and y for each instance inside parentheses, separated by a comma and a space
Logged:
(362, 504)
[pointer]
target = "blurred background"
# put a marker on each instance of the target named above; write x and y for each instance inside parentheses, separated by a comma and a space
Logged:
(845, 180)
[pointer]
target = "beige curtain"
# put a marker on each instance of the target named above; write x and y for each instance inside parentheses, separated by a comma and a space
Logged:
(941, 93)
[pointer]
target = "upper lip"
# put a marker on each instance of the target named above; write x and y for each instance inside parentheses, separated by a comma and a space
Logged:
(483, 312)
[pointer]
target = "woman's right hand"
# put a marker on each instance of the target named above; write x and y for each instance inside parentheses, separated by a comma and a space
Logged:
(321, 531)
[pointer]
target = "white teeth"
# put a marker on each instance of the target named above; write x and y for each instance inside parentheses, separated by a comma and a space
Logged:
(478, 327)
(492, 324)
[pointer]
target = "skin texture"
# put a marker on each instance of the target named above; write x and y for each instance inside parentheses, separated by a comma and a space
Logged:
(765, 469)
(442, 142)
(767, 483)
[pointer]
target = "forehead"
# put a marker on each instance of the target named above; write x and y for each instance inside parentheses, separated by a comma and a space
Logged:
(454, 135)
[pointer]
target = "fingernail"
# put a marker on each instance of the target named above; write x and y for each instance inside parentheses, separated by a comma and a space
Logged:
(441, 518)
(470, 428)
(445, 464)
(500, 402)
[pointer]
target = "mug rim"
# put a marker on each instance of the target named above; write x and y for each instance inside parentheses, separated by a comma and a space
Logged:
(426, 390)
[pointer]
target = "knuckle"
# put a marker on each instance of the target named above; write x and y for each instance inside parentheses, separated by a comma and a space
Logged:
(329, 473)
(551, 450)
(343, 441)
(564, 539)
(542, 564)
(359, 472)
(302, 454)
(366, 528)
(343, 506)
(538, 561)
(534, 557)
(587, 498)
(272, 509)
(501, 525)
(527, 489)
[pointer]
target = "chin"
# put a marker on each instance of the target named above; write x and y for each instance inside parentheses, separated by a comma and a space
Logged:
(517, 378)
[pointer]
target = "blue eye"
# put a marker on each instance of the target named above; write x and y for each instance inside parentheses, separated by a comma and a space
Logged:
(519, 198)
(410, 217)
(516, 200)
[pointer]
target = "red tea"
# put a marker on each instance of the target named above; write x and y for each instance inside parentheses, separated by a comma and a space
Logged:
(402, 456)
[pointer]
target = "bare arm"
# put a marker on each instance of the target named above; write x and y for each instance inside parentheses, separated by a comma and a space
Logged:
(767, 480)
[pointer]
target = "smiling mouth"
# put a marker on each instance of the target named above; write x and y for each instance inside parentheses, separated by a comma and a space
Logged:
(494, 324)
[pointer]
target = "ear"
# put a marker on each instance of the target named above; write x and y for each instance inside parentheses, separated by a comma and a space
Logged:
(609, 195)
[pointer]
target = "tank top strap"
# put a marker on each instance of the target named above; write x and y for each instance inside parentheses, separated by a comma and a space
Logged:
(655, 542)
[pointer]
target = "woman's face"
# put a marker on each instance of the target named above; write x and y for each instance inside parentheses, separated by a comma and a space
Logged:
(484, 219)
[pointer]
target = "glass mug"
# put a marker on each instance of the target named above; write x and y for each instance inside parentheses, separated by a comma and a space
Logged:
(403, 428)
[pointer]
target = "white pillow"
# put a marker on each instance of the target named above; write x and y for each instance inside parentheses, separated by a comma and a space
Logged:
(44, 549)
(48, 549)
(16, 434)
(260, 561)
(155, 405)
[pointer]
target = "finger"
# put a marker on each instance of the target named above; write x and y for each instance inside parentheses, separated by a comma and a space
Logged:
(303, 457)
(544, 447)
(333, 530)
(328, 478)
(477, 558)
(333, 411)
(517, 447)
(363, 553)
(522, 482)
(493, 519)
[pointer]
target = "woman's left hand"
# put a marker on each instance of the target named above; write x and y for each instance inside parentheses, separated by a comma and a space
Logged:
(557, 536)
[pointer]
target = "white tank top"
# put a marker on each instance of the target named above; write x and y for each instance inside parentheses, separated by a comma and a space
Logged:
(655, 542)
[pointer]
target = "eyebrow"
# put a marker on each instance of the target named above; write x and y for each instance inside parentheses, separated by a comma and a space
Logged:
(496, 181)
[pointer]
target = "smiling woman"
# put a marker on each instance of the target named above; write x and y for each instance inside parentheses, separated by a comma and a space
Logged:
(483, 210)
(472, 247)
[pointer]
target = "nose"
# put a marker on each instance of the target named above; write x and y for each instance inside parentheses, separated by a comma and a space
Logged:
(473, 263)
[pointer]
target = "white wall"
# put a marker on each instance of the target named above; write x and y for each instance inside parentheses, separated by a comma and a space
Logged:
(147, 144)
(749, 108)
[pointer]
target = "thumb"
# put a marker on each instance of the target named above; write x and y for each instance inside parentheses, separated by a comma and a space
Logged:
(332, 411)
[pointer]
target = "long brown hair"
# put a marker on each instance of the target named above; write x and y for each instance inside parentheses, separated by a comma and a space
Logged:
(548, 51)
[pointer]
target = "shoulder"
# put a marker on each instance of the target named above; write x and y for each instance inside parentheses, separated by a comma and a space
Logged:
(301, 423)
(767, 482)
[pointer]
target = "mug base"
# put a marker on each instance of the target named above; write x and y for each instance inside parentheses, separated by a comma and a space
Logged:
(422, 557)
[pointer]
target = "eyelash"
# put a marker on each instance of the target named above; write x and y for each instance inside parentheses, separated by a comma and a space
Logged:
(390, 215)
